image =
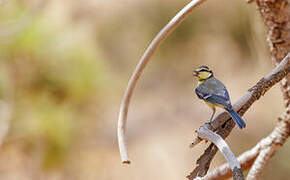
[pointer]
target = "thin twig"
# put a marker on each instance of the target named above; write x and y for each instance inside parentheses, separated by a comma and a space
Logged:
(160, 37)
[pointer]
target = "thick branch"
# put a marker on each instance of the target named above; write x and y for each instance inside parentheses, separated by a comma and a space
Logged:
(160, 37)
(242, 105)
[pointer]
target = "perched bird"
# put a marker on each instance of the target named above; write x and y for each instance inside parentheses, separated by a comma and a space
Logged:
(214, 94)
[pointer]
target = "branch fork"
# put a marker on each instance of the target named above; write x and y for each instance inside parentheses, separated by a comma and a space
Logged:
(205, 133)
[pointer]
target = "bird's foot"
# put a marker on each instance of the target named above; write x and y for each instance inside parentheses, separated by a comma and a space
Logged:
(208, 122)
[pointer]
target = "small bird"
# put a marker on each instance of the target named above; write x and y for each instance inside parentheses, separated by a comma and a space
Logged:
(214, 94)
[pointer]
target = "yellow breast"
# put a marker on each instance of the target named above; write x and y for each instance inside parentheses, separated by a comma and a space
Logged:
(199, 82)
(211, 105)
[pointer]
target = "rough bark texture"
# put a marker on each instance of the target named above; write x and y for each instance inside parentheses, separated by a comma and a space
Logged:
(276, 17)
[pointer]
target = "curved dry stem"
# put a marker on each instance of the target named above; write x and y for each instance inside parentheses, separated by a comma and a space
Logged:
(160, 37)
(207, 134)
(233, 164)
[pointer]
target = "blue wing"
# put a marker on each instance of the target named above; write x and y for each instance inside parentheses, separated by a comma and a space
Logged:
(219, 97)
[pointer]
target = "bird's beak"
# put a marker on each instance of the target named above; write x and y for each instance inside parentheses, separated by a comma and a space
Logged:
(195, 73)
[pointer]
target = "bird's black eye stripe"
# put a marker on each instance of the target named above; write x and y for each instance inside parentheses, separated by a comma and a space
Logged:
(205, 70)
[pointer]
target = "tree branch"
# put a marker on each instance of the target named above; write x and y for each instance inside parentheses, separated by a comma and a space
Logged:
(246, 160)
(223, 124)
(224, 172)
(275, 140)
(204, 133)
(160, 37)
(269, 144)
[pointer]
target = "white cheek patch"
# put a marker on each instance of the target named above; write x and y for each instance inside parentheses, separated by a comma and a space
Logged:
(203, 75)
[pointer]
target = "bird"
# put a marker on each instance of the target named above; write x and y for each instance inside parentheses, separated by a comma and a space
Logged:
(214, 93)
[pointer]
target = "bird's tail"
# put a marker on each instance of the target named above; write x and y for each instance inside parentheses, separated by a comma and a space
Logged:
(237, 118)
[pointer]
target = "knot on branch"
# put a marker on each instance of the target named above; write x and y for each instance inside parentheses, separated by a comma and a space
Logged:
(258, 90)
(226, 127)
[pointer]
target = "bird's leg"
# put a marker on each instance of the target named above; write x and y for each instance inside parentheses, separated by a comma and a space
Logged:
(213, 112)
(209, 122)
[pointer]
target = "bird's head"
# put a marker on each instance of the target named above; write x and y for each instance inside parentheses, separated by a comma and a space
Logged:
(202, 73)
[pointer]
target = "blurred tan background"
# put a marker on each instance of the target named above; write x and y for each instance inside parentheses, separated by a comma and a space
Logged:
(64, 66)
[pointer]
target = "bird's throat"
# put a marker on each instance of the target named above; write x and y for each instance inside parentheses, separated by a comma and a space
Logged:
(200, 81)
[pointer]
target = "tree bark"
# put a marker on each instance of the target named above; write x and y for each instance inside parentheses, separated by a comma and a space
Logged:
(276, 17)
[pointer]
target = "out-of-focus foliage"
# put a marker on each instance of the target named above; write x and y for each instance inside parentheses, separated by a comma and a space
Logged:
(56, 70)
(64, 66)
